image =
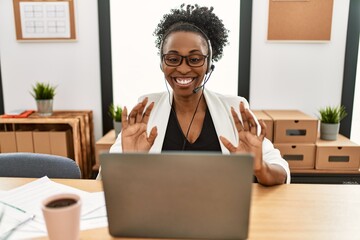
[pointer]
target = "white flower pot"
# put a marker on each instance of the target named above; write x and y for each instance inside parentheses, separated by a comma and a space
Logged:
(44, 107)
(329, 131)
(117, 127)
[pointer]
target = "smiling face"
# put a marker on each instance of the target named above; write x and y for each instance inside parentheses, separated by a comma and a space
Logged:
(183, 79)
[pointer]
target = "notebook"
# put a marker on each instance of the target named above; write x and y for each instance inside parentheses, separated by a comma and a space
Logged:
(178, 194)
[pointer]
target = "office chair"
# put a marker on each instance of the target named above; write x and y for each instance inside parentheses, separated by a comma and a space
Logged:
(36, 165)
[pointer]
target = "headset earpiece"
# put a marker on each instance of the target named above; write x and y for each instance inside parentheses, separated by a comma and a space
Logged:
(161, 57)
(210, 64)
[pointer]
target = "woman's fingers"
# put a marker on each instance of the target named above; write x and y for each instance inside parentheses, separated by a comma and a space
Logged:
(136, 114)
(152, 136)
(133, 113)
(248, 120)
(252, 124)
(124, 118)
(228, 144)
(147, 112)
(140, 111)
(237, 121)
(263, 130)
(244, 117)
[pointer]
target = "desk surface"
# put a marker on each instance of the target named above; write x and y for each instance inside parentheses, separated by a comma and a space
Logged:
(293, 211)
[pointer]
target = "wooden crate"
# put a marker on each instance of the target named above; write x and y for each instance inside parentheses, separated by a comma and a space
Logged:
(79, 122)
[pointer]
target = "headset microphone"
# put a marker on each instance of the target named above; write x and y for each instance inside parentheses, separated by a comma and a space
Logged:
(207, 79)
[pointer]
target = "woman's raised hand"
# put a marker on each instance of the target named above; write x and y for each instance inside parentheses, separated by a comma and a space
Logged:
(249, 140)
(134, 137)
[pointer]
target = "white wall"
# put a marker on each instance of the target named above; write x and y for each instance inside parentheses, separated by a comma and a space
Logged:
(73, 66)
(304, 76)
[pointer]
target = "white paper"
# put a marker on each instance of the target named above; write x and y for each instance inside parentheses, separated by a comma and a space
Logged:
(26, 200)
(45, 19)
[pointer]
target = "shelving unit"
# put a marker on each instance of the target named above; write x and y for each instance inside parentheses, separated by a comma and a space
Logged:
(325, 176)
(80, 124)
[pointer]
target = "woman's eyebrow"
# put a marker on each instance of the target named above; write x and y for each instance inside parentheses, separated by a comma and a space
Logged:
(191, 51)
(172, 51)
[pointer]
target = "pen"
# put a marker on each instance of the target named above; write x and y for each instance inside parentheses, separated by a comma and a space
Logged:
(2, 214)
(12, 230)
(12, 206)
(7, 234)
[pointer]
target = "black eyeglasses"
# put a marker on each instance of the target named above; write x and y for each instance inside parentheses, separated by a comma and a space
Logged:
(193, 60)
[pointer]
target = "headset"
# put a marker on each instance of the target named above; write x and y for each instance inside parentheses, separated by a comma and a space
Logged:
(210, 66)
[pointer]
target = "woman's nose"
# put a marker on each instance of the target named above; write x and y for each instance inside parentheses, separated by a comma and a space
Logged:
(183, 67)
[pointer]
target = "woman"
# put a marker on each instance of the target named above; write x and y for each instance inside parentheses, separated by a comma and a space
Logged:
(190, 117)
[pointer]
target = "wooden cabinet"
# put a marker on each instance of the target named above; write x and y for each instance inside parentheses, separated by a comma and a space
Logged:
(325, 177)
(77, 126)
(103, 145)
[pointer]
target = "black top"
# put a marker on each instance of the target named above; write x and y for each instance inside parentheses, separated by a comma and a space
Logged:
(175, 140)
(207, 141)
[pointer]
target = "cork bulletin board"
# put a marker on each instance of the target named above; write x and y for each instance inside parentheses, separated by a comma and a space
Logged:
(303, 20)
(44, 19)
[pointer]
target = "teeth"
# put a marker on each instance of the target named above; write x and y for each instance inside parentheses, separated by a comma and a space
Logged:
(184, 81)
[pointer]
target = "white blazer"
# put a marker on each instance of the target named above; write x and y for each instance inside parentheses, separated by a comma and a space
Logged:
(219, 107)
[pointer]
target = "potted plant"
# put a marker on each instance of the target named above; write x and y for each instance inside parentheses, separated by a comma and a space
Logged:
(44, 94)
(115, 113)
(330, 118)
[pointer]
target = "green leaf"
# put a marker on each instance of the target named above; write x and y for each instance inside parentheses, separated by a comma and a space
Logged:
(115, 112)
(43, 91)
(332, 114)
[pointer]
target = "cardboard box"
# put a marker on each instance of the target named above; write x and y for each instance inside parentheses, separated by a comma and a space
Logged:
(268, 121)
(61, 143)
(7, 142)
(341, 154)
(293, 126)
(299, 156)
(42, 142)
(24, 141)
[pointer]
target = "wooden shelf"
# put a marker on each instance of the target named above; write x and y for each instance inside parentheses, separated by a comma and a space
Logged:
(317, 171)
(82, 129)
(103, 145)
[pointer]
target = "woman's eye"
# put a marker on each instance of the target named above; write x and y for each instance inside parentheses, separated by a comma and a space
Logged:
(173, 59)
(195, 59)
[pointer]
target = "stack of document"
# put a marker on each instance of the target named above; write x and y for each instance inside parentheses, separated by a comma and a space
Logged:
(20, 209)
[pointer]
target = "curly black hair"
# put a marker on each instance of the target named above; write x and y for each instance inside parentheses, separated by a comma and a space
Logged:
(205, 22)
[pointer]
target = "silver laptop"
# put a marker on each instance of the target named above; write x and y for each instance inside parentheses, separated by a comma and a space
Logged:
(177, 195)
